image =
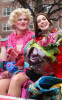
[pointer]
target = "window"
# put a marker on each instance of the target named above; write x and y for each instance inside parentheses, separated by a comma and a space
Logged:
(6, 27)
(31, 26)
(7, 0)
(31, 6)
(7, 11)
(47, 7)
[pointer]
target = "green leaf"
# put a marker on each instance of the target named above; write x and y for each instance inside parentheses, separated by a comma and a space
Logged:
(54, 50)
(32, 41)
(60, 40)
(51, 51)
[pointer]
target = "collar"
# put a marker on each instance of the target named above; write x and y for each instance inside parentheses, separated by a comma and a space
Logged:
(22, 34)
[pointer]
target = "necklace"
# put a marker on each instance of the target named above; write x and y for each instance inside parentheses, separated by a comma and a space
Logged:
(22, 35)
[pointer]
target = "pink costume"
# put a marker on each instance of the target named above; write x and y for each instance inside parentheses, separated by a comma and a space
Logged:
(17, 39)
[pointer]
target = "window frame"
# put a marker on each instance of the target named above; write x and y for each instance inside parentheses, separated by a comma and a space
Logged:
(5, 10)
(5, 26)
(31, 24)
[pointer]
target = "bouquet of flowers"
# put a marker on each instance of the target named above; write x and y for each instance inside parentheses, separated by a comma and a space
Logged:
(51, 41)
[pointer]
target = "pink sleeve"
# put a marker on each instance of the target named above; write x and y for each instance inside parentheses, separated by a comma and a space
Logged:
(4, 42)
(8, 41)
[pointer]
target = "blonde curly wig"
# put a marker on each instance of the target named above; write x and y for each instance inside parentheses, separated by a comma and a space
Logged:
(15, 14)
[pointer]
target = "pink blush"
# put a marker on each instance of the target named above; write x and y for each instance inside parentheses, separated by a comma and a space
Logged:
(17, 23)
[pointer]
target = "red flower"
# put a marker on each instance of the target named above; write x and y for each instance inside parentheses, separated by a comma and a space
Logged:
(53, 30)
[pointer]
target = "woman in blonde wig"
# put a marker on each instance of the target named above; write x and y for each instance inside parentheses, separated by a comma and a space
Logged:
(19, 21)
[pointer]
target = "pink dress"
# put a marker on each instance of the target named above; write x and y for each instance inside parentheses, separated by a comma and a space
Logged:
(12, 41)
(17, 39)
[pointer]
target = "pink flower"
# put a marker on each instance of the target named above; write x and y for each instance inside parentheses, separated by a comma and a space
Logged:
(44, 41)
(50, 40)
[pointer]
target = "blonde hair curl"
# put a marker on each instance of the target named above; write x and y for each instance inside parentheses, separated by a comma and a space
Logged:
(16, 13)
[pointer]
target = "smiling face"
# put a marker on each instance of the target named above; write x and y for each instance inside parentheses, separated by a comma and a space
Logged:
(42, 22)
(22, 23)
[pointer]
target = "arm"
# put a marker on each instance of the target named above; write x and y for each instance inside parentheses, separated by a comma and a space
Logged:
(3, 53)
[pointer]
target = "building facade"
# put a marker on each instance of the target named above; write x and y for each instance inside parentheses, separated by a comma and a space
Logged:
(7, 6)
(5, 9)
